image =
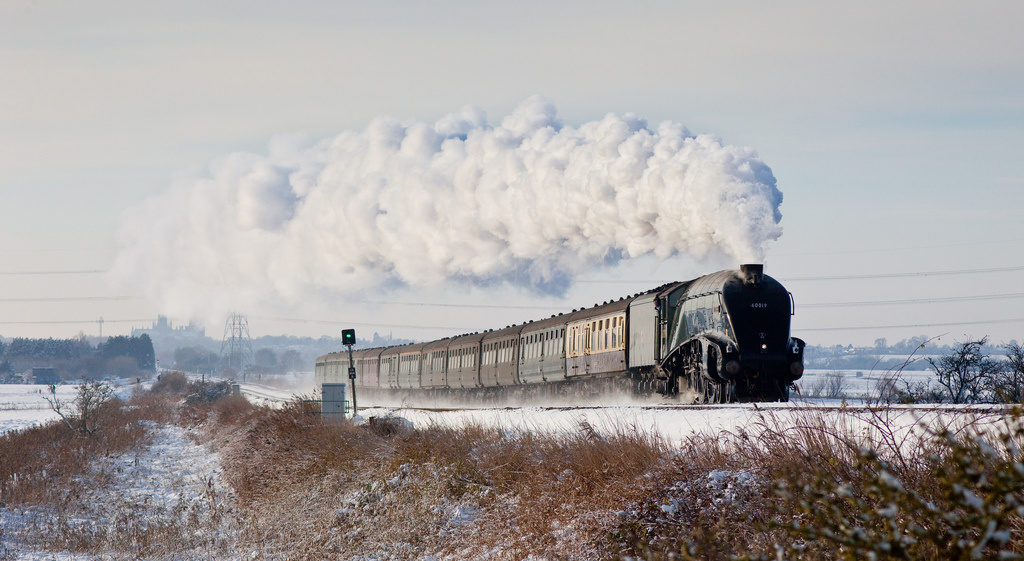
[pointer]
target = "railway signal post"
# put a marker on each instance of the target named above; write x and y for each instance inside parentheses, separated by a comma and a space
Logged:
(348, 338)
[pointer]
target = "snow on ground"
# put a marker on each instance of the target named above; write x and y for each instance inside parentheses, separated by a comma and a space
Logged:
(266, 395)
(174, 477)
(167, 485)
(25, 405)
(857, 384)
(673, 423)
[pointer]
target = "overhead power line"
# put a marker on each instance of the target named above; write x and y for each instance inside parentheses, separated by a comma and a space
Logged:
(918, 274)
(73, 272)
(658, 282)
(71, 321)
(365, 324)
(914, 301)
(904, 248)
(908, 326)
(814, 305)
(471, 306)
(71, 299)
(56, 249)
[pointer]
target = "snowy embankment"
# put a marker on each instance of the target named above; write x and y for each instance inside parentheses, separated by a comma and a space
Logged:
(173, 483)
(171, 496)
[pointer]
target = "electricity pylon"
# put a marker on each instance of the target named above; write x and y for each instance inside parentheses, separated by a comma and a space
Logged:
(236, 346)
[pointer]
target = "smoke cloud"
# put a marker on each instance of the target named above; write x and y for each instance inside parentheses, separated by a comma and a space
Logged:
(531, 201)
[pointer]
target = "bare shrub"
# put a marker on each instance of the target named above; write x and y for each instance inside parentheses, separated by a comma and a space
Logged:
(175, 383)
(212, 404)
(967, 505)
(828, 488)
(39, 465)
(233, 409)
(207, 391)
(887, 389)
(81, 413)
(1008, 381)
(832, 385)
(965, 375)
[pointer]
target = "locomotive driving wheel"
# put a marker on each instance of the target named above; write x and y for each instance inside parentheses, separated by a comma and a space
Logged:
(694, 371)
(720, 392)
(699, 372)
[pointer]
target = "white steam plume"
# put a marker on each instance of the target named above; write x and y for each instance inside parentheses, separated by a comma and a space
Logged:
(530, 201)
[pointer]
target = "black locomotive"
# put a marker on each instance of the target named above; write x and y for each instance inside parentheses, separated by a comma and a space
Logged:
(719, 338)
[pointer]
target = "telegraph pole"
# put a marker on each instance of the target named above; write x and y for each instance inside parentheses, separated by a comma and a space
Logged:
(348, 338)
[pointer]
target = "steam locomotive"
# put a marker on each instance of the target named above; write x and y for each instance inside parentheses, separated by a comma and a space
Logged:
(719, 338)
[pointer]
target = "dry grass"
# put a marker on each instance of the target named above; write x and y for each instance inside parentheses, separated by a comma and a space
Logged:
(339, 490)
(826, 487)
(57, 480)
(174, 383)
(308, 491)
(39, 464)
(791, 488)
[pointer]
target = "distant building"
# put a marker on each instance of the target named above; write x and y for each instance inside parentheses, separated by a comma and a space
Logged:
(166, 338)
(45, 375)
(162, 327)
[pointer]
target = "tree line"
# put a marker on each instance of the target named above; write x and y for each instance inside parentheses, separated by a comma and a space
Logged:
(884, 355)
(266, 361)
(76, 358)
(966, 374)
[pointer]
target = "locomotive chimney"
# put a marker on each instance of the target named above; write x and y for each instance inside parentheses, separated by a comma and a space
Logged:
(752, 273)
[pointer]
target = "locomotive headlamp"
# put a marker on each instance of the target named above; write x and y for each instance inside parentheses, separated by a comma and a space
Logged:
(733, 367)
(797, 368)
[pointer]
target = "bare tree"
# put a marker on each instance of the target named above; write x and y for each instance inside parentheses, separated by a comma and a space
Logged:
(967, 373)
(831, 386)
(80, 414)
(887, 389)
(835, 384)
(892, 388)
(1008, 384)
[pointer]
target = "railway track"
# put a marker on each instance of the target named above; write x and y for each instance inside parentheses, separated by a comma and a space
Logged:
(781, 407)
(249, 391)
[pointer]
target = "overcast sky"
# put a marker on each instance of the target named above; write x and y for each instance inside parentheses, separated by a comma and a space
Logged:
(895, 133)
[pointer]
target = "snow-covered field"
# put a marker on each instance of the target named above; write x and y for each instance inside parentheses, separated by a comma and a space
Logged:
(25, 405)
(858, 384)
(174, 475)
